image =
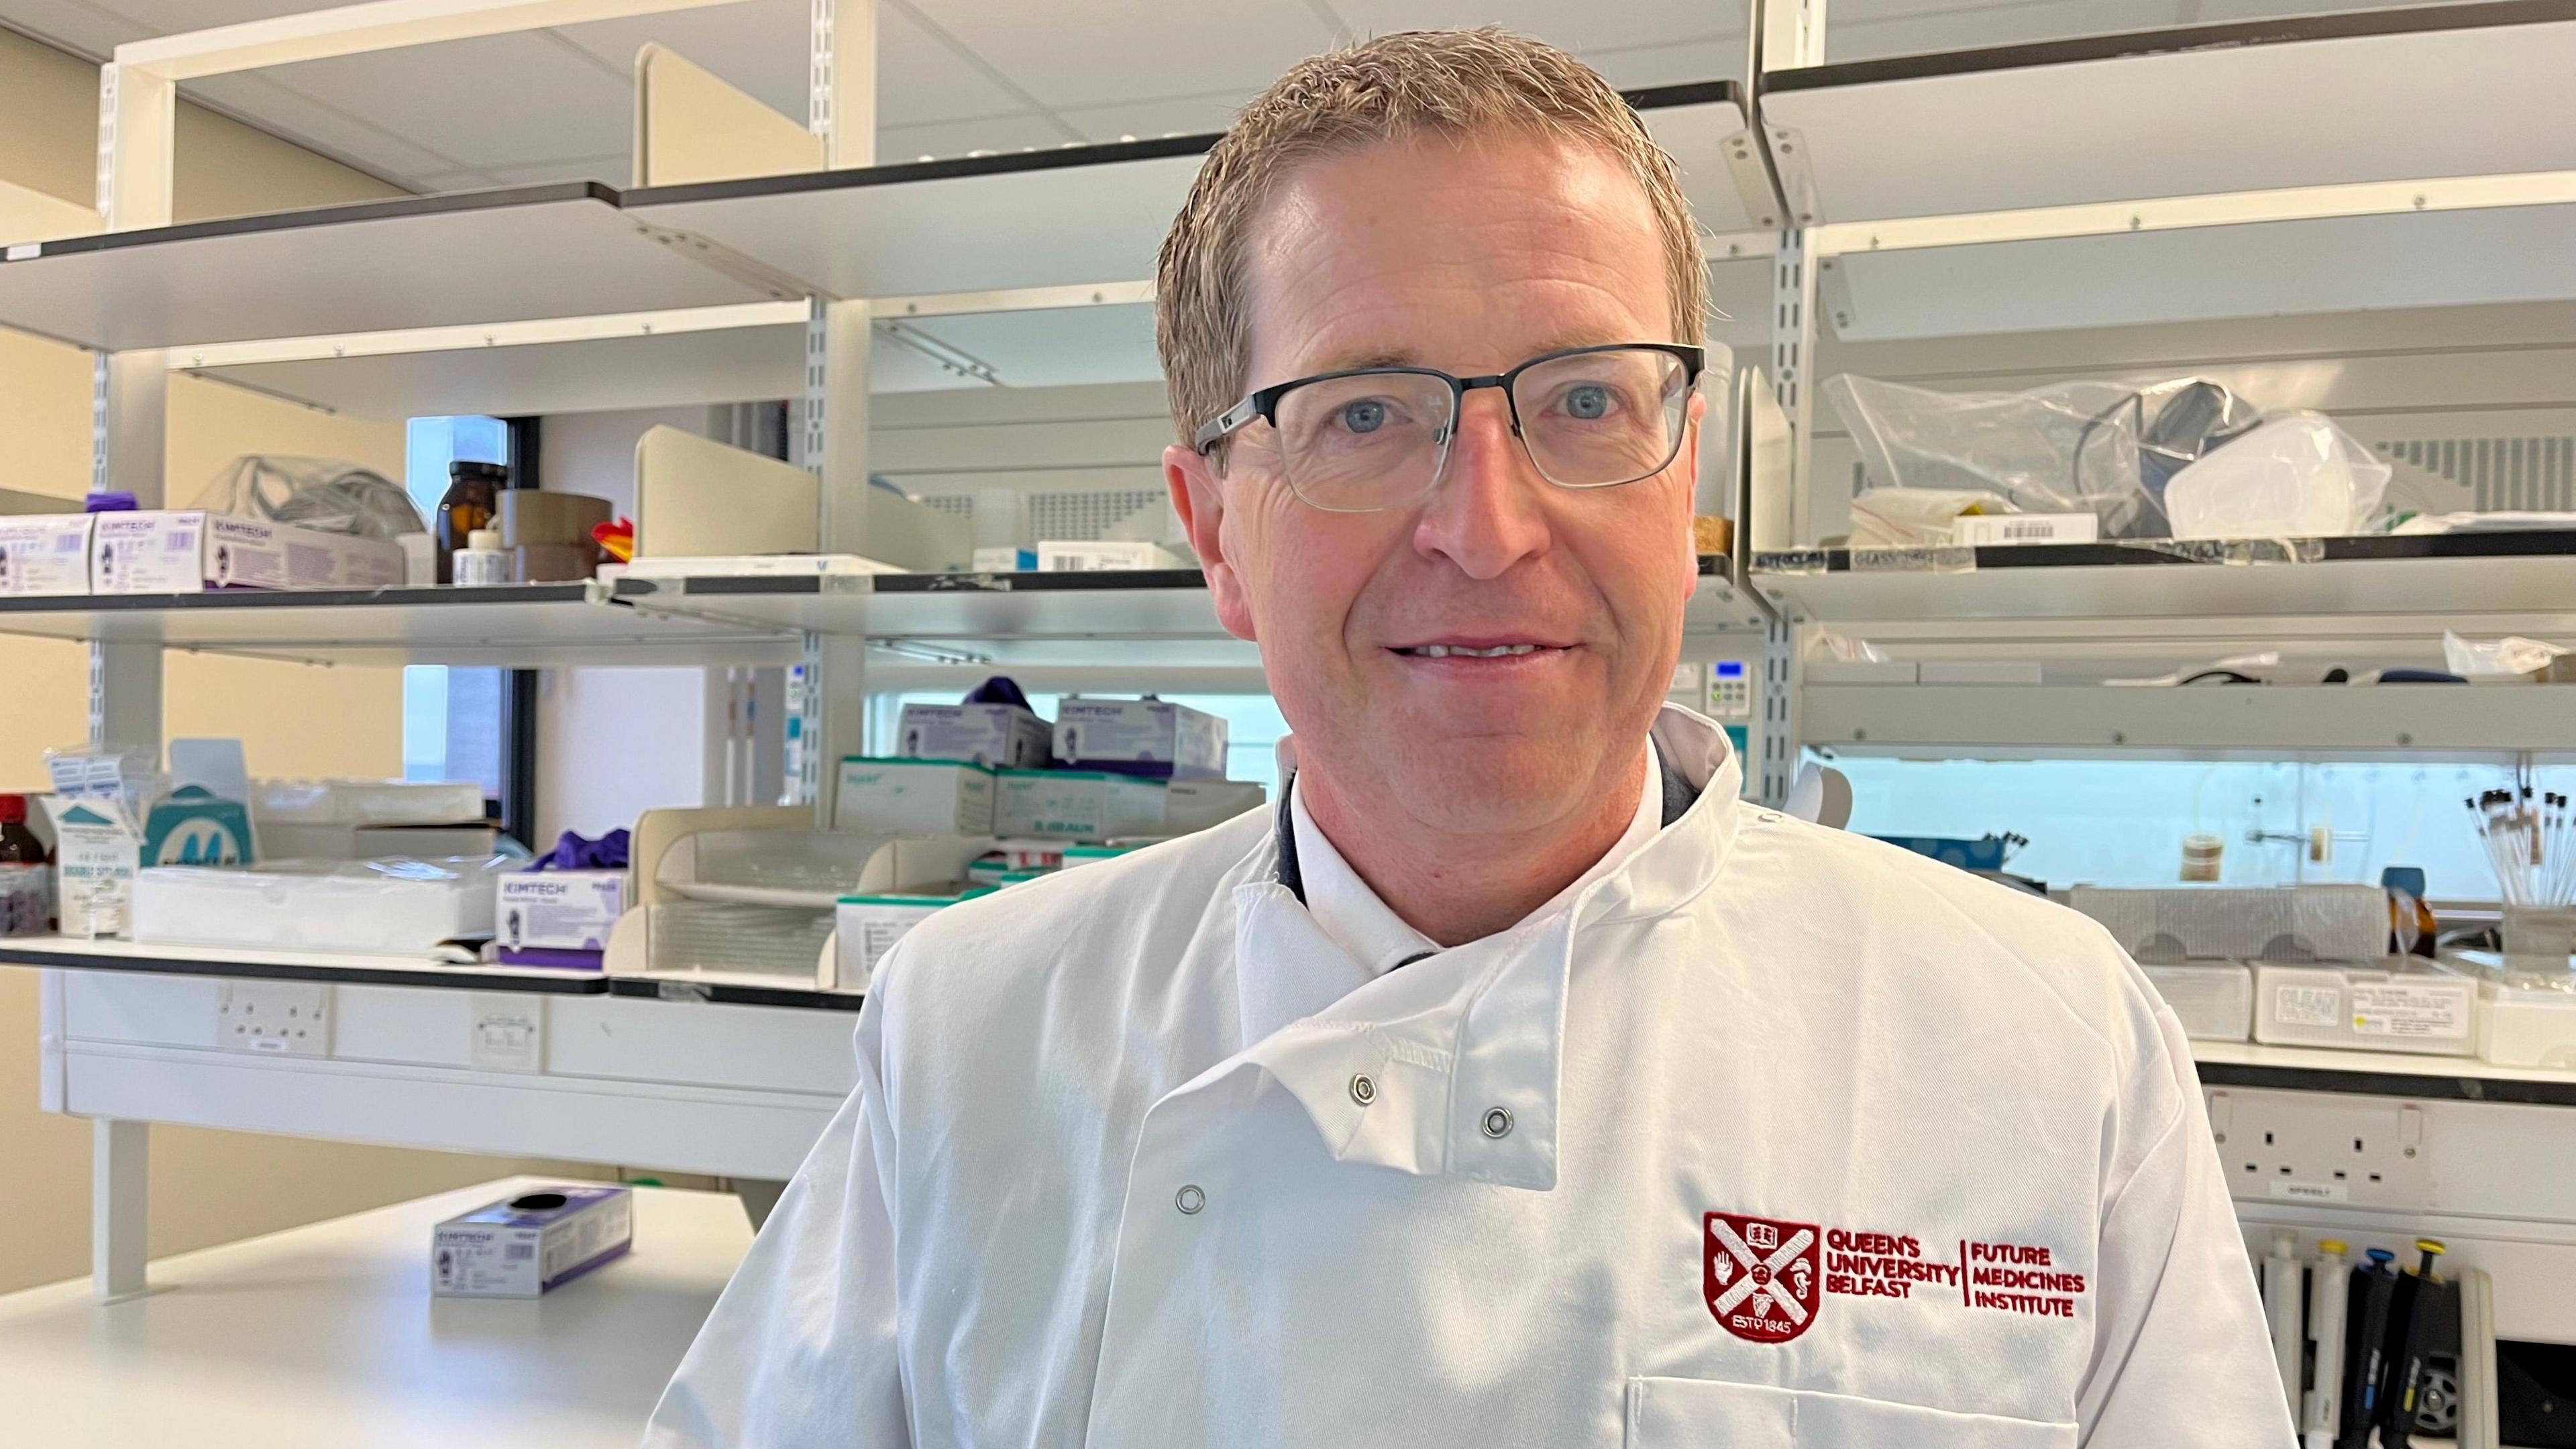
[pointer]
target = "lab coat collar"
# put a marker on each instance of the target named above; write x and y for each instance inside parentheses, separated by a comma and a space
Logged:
(1449, 1043)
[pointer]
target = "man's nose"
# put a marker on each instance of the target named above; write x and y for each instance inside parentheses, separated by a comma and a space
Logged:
(1488, 513)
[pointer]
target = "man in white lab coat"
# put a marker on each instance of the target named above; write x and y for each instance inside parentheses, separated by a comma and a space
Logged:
(1512, 1084)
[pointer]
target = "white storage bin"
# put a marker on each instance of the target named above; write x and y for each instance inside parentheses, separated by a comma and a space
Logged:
(393, 907)
(2527, 1028)
(2214, 1000)
(2411, 1008)
(2272, 923)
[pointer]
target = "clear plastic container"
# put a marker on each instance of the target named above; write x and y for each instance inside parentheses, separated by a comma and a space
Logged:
(377, 907)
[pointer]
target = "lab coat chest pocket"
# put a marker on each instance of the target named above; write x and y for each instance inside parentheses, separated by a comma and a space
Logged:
(1704, 1414)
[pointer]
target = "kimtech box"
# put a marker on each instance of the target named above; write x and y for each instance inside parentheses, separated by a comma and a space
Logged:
(557, 917)
(1146, 737)
(531, 1244)
(1004, 736)
(181, 551)
(44, 553)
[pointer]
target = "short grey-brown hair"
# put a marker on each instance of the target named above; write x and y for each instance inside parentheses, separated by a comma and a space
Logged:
(1454, 82)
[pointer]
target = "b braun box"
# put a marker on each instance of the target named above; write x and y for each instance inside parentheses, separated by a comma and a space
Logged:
(531, 1244)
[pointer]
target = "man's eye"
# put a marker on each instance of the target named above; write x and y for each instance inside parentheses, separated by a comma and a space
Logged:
(1365, 416)
(1588, 401)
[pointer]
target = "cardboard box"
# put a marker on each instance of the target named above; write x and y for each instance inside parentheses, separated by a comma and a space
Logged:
(1146, 737)
(184, 551)
(2408, 1007)
(902, 796)
(1190, 805)
(535, 517)
(373, 842)
(558, 917)
(531, 1244)
(867, 927)
(1003, 736)
(1077, 805)
(1105, 555)
(44, 553)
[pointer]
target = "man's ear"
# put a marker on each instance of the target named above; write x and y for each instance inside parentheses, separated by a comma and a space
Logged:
(1688, 462)
(1200, 501)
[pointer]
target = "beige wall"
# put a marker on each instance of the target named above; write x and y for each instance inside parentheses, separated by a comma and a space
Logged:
(294, 720)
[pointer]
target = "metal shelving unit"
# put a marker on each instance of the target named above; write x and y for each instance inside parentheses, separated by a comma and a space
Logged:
(522, 626)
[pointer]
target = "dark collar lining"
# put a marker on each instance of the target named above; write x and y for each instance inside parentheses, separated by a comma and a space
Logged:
(1679, 795)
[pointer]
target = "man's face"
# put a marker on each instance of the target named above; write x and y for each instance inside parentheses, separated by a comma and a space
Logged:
(1470, 257)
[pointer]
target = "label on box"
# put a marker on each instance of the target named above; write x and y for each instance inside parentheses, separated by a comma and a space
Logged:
(1003, 736)
(1984, 529)
(2411, 1011)
(1140, 737)
(2307, 1006)
(45, 553)
(559, 910)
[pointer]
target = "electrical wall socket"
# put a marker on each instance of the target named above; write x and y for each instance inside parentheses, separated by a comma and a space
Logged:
(509, 1031)
(2321, 1148)
(276, 1018)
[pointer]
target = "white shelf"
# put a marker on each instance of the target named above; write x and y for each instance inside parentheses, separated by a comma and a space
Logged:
(1080, 215)
(1161, 617)
(519, 254)
(663, 367)
(2384, 95)
(524, 626)
(343, 967)
(2268, 722)
(2203, 273)
(2386, 1074)
(2455, 576)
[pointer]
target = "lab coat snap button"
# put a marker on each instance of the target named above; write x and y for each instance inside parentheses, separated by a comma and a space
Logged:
(1190, 1199)
(1363, 1091)
(1498, 1121)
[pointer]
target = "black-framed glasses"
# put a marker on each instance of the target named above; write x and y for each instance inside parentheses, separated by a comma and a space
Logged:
(1369, 438)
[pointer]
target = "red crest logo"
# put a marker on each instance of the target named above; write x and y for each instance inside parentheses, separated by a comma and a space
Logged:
(1762, 1278)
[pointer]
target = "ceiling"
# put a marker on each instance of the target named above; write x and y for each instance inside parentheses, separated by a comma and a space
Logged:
(957, 76)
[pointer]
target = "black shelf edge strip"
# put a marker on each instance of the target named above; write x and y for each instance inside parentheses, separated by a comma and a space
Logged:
(951, 169)
(2465, 1087)
(570, 984)
(2181, 40)
(1102, 581)
(1687, 93)
(541, 194)
(728, 994)
(2224, 553)
(248, 600)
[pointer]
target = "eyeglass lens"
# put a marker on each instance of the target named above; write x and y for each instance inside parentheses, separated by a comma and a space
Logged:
(1380, 440)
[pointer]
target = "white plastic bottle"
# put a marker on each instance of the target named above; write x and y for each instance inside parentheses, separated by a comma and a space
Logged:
(2282, 1302)
(2328, 1291)
(482, 560)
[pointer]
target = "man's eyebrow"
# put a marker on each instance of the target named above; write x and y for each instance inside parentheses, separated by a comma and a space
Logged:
(1390, 357)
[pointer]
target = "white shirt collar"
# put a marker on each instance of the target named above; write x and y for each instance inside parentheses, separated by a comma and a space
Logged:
(1375, 936)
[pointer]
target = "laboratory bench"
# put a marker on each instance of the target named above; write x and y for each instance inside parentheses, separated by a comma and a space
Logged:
(328, 1334)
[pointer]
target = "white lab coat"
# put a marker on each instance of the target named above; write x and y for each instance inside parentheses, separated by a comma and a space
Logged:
(1808, 1142)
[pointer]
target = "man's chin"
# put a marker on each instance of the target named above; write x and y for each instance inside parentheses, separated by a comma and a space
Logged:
(1495, 785)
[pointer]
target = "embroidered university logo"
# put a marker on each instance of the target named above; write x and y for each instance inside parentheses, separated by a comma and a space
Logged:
(1761, 1277)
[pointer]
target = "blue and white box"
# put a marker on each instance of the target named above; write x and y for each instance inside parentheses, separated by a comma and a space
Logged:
(531, 1244)
(1147, 737)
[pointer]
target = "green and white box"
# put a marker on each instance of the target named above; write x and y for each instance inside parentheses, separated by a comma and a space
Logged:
(1077, 805)
(867, 927)
(1197, 804)
(904, 796)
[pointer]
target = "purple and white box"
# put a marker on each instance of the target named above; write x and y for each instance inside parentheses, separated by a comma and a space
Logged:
(558, 917)
(531, 1244)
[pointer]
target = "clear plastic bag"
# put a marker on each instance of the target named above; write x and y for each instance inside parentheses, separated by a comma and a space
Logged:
(323, 494)
(2295, 476)
(2104, 448)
